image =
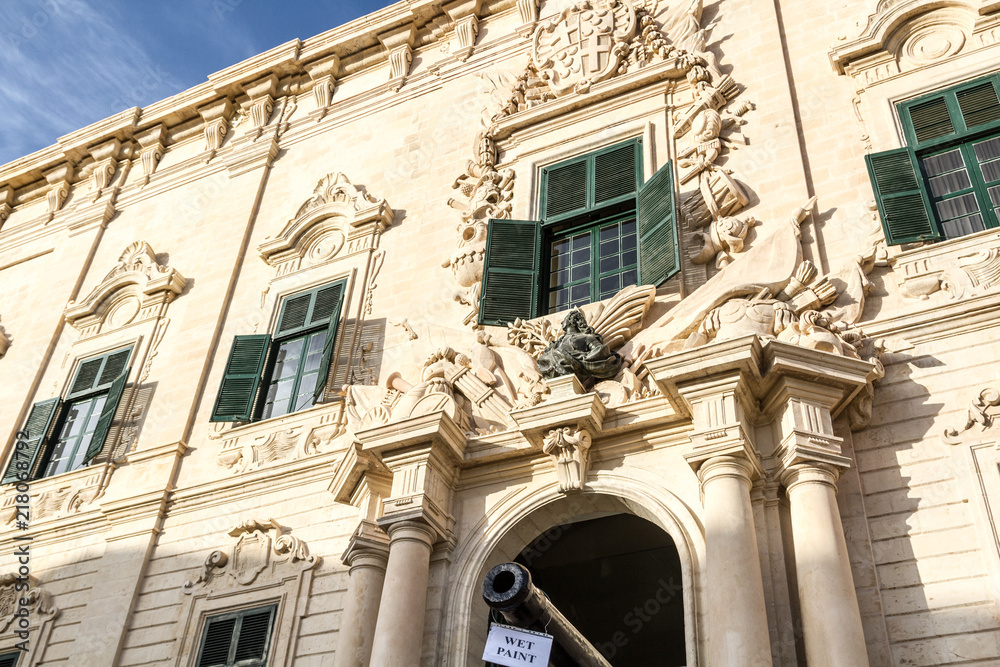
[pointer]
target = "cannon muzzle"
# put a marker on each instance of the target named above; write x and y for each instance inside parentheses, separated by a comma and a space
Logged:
(508, 589)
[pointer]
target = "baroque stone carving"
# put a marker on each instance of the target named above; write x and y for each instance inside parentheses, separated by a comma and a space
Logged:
(39, 602)
(254, 552)
(136, 289)
(983, 410)
(324, 73)
(6, 203)
(339, 215)
(583, 45)
(74, 493)
(723, 240)
(216, 117)
(719, 194)
(961, 268)
(570, 450)
(4, 341)
(579, 351)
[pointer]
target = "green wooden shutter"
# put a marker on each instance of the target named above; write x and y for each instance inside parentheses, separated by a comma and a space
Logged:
(510, 272)
(253, 635)
(107, 415)
(294, 312)
(36, 428)
(930, 119)
(241, 382)
(564, 189)
(9, 659)
(615, 173)
(329, 301)
(979, 104)
(902, 199)
(217, 641)
(659, 256)
(86, 375)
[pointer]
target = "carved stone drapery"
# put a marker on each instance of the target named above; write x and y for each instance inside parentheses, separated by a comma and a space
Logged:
(338, 215)
(136, 289)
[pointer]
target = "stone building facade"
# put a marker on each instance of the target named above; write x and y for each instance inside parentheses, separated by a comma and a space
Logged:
(285, 356)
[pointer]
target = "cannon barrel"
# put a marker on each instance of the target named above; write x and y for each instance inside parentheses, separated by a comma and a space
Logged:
(508, 589)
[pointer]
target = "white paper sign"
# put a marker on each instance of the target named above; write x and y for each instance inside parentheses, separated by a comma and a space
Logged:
(514, 647)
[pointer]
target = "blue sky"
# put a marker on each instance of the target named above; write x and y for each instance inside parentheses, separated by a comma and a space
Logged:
(67, 63)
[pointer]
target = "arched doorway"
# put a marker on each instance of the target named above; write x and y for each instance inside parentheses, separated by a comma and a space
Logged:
(519, 519)
(618, 580)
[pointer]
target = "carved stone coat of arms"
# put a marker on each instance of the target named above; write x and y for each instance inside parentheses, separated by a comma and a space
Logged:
(585, 44)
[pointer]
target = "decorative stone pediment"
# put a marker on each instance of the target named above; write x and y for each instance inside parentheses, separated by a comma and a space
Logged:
(905, 35)
(337, 215)
(27, 613)
(136, 289)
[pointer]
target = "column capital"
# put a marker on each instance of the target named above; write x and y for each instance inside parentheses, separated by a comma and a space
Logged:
(738, 467)
(368, 547)
(423, 454)
(410, 530)
(810, 473)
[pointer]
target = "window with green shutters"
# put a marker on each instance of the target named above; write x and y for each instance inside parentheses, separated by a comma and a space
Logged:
(64, 434)
(601, 229)
(272, 375)
(237, 639)
(10, 659)
(945, 182)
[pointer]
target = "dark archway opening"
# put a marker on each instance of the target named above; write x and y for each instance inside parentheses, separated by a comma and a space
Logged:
(618, 580)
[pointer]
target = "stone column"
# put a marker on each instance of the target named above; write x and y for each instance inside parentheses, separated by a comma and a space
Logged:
(400, 627)
(423, 454)
(367, 556)
(831, 620)
(737, 616)
(715, 386)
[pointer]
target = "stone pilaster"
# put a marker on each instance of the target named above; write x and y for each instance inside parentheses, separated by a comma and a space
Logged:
(807, 389)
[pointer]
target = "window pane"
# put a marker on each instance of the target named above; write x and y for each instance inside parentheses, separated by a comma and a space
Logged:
(581, 272)
(987, 150)
(991, 171)
(995, 195)
(957, 206)
(610, 286)
(580, 292)
(75, 435)
(963, 226)
(558, 299)
(609, 248)
(948, 183)
(943, 163)
(609, 264)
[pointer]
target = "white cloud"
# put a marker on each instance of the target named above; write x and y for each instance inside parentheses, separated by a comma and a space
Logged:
(65, 64)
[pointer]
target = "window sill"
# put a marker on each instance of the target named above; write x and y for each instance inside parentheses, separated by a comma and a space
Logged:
(962, 267)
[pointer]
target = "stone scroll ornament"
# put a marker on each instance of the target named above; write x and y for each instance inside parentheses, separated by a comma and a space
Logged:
(984, 410)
